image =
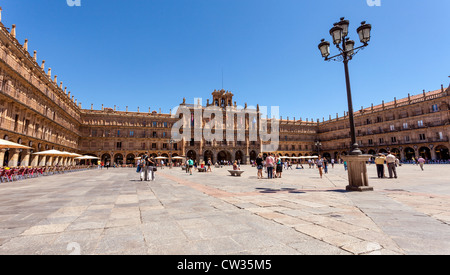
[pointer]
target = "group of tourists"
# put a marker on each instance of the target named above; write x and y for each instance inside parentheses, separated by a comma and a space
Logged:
(391, 162)
(192, 164)
(146, 166)
(273, 164)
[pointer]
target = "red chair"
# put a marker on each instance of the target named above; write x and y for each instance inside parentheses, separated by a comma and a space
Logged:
(26, 173)
(40, 171)
(21, 173)
(3, 175)
(9, 174)
(33, 172)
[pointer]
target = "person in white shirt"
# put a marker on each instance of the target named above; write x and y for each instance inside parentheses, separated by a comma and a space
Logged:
(390, 161)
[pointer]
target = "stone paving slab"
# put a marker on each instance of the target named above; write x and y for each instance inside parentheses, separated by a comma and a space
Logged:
(113, 212)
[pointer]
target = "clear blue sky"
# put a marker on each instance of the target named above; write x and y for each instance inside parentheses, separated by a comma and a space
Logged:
(152, 53)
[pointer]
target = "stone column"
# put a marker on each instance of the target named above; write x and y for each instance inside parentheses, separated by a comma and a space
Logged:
(433, 153)
(402, 154)
(2, 153)
(357, 173)
(49, 161)
(43, 161)
(34, 160)
(26, 158)
(14, 157)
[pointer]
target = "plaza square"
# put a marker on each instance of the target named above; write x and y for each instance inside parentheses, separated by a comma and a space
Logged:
(111, 211)
(223, 128)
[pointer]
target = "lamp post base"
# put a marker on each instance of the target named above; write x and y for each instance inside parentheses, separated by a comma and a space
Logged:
(357, 173)
(358, 188)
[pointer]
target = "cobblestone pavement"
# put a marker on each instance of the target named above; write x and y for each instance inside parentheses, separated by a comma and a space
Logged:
(113, 212)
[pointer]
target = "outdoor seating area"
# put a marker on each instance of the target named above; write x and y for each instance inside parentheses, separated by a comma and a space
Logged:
(44, 163)
(21, 173)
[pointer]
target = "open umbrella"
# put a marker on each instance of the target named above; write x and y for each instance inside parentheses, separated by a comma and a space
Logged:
(74, 155)
(161, 158)
(12, 145)
(178, 157)
(53, 153)
(86, 157)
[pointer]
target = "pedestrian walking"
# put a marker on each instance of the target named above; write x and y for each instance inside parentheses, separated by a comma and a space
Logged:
(325, 165)
(269, 165)
(145, 167)
(209, 165)
(421, 161)
(319, 164)
(390, 162)
(279, 168)
(190, 165)
(259, 165)
(152, 163)
(187, 166)
(379, 161)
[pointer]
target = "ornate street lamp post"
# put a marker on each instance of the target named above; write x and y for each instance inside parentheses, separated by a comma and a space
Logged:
(171, 141)
(357, 171)
(318, 145)
(347, 50)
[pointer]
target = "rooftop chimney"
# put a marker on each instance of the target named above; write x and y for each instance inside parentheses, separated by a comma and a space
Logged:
(0, 14)
(35, 56)
(25, 45)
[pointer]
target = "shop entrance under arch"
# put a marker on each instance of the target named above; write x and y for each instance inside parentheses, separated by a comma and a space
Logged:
(223, 156)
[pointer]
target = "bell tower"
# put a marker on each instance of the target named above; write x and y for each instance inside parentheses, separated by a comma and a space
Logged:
(222, 98)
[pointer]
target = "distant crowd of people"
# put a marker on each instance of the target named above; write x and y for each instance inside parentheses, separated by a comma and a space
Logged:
(274, 164)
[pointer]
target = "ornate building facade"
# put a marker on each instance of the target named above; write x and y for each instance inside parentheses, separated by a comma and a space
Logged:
(37, 111)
